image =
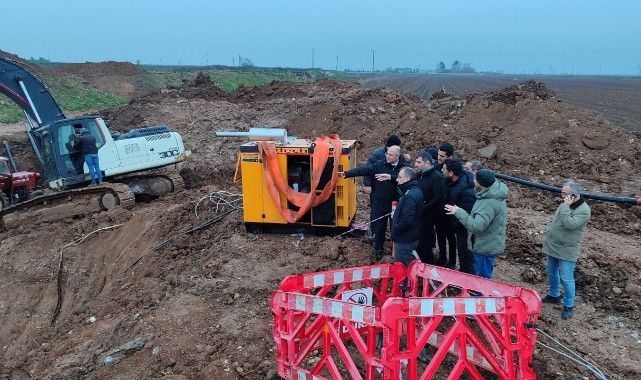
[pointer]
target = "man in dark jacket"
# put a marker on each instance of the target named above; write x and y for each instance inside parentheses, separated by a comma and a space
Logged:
(432, 184)
(459, 185)
(383, 193)
(86, 144)
(406, 219)
(445, 151)
(379, 155)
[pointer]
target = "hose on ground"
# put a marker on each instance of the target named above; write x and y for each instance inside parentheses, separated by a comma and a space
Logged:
(601, 197)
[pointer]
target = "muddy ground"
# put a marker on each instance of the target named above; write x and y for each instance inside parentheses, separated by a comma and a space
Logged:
(199, 308)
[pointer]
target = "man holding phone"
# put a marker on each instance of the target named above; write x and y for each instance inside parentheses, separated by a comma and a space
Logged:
(562, 246)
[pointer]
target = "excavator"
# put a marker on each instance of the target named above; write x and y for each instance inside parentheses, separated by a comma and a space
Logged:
(143, 162)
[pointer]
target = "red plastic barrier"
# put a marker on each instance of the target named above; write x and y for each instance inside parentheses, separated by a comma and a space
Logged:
(321, 335)
(314, 329)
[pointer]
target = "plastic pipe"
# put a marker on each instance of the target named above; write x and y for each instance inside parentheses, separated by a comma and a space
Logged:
(601, 197)
(258, 134)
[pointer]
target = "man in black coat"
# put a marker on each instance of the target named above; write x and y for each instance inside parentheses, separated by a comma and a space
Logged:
(459, 184)
(407, 219)
(432, 184)
(383, 193)
(379, 155)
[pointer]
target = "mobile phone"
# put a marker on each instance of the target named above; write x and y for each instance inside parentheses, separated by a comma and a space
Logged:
(573, 196)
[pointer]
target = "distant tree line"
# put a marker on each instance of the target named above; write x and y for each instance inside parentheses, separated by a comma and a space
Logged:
(457, 67)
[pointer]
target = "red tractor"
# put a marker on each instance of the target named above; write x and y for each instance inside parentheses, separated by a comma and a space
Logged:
(15, 186)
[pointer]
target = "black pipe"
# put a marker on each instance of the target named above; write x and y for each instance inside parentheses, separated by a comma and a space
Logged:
(601, 197)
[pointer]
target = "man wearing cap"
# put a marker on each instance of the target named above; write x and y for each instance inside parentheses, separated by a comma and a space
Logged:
(86, 144)
(486, 223)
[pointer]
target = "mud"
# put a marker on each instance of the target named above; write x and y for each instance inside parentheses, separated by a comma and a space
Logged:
(201, 303)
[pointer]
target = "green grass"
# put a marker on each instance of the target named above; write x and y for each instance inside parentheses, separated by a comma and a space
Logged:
(72, 94)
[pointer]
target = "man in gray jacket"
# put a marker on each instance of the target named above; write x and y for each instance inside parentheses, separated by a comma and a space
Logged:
(486, 223)
(562, 246)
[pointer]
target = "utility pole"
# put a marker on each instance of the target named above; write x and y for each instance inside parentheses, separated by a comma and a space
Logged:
(233, 62)
(206, 59)
(336, 63)
(638, 70)
(239, 61)
(312, 58)
(373, 52)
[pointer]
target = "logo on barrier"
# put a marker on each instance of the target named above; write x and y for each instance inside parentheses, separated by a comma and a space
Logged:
(359, 296)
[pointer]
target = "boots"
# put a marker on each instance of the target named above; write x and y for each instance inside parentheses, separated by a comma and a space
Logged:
(567, 312)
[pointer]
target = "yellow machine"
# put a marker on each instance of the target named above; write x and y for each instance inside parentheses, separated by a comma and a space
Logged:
(269, 205)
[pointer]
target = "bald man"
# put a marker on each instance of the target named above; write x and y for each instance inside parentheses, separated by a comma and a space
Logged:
(384, 191)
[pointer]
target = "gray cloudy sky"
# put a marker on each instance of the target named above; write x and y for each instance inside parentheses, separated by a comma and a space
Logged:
(545, 36)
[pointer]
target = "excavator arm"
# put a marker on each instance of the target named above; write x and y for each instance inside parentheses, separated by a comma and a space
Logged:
(28, 92)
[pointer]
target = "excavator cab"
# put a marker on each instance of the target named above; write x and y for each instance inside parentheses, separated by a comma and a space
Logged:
(56, 142)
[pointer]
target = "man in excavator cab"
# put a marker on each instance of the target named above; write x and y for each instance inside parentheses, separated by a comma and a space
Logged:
(86, 145)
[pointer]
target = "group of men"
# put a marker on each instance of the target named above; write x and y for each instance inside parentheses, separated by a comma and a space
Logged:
(461, 208)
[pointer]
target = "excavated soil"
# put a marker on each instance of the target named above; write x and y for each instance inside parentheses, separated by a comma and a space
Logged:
(199, 308)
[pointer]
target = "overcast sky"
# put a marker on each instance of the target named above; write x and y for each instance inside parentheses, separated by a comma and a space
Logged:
(544, 36)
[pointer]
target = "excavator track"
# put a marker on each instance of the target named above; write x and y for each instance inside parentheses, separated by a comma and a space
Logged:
(57, 205)
(153, 183)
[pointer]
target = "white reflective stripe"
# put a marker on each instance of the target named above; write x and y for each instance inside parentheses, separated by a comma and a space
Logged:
(300, 303)
(473, 355)
(358, 275)
(357, 313)
(376, 272)
(490, 305)
(336, 309)
(470, 305)
(302, 375)
(427, 307)
(317, 305)
(449, 306)
(319, 279)
(339, 277)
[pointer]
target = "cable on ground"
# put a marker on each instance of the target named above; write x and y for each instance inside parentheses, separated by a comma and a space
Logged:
(56, 312)
(569, 354)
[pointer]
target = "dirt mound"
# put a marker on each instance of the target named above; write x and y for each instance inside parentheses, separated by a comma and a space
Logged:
(527, 90)
(199, 308)
(96, 69)
(35, 69)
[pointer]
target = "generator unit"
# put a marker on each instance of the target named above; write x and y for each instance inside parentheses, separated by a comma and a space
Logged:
(292, 185)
